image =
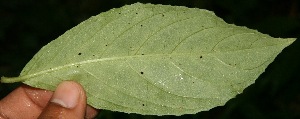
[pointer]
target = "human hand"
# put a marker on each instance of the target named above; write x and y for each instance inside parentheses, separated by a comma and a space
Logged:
(67, 102)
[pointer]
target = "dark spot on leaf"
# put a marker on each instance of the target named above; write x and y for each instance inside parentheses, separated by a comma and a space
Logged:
(201, 57)
(94, 55)
(136, 13)
(142, 72)
(77, 66)
(143, 54)
(143, 104)
(193, 82)
(162, 15)
(128, 23)
(141, 25)
(106, 45)
(232, 64)
(79, 53)
(119, 12)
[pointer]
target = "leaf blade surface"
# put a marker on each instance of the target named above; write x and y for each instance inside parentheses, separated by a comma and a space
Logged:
(155, 59)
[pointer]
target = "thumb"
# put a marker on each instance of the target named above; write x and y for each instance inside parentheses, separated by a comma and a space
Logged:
(68, 102)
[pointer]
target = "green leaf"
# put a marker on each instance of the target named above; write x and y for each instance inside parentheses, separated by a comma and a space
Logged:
(154, 59)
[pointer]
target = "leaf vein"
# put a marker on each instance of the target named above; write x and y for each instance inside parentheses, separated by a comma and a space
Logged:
(160, 29)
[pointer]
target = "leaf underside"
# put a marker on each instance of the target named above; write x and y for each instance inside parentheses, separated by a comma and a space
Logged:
(154, 59)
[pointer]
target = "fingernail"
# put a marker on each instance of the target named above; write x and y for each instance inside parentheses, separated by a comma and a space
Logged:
(66, 94)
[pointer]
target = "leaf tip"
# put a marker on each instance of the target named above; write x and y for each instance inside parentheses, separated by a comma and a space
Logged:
(289, 41)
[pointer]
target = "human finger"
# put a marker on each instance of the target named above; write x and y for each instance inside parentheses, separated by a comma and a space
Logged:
(68, 101)
(24, 102)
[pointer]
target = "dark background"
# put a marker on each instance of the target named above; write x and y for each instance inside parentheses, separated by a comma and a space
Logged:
(27, 25)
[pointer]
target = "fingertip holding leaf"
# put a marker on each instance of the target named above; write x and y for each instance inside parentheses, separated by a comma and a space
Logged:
(154, 59)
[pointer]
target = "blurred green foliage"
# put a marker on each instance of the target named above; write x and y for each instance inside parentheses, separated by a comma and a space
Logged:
(27, 25)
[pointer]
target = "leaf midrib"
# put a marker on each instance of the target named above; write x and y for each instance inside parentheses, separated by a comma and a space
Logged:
(22, 78)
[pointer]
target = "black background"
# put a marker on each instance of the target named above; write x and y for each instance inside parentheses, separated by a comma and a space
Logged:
(27, 25)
